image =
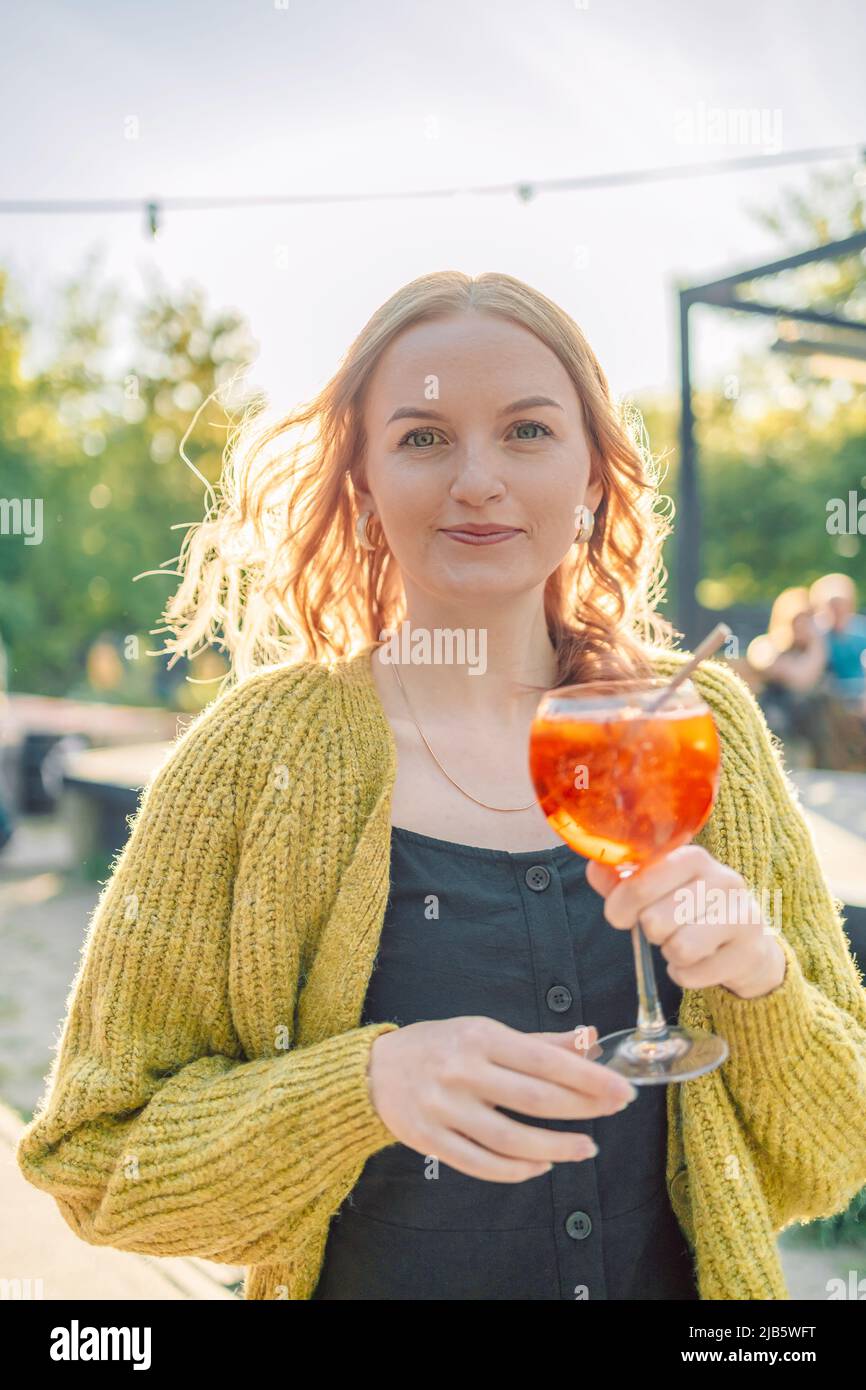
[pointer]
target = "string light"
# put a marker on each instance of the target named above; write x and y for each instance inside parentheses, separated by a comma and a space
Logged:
(524, 191)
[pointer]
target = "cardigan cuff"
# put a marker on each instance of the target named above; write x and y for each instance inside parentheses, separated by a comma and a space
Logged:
(772, 1028)
(367, 1126)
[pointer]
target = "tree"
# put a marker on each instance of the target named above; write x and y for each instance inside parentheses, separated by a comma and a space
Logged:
(776, 443)
(95, 434)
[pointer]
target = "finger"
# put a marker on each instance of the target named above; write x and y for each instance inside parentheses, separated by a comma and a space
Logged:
(581, 1038)
(529, 1095)
(511, 1139)
(667, 923)
(552, 1061)
(697, 942)
(601, 877)
(721, 965)
(465, 1156)
(625, 903)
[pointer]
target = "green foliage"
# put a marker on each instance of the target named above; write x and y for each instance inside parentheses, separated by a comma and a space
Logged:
(776, 441)
(765, 487)
(98, 440)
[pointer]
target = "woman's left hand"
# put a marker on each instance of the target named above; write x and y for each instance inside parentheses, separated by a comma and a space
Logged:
(736, 948)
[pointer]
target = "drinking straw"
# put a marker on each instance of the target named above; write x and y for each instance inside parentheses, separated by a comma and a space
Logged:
(710, 644)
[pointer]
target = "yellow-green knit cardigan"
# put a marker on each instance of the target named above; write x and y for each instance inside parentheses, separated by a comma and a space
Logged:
(209, 1093)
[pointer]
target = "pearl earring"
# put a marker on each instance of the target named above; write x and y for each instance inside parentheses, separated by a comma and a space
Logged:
(585, 520)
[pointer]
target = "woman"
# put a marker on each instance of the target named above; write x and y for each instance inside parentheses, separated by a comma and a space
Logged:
(788, 663)
(792, 653)
(236, 1080)
(834, 597)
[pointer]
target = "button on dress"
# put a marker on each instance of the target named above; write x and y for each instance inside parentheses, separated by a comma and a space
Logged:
(519, 937)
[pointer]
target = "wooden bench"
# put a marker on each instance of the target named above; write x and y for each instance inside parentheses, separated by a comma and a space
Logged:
(101, 789)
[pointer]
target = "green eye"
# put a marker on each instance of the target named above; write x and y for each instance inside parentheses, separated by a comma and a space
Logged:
(411, 434)
(532, 424)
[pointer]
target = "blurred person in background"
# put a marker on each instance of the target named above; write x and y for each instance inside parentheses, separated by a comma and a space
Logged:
(834, 600)
(789, 662)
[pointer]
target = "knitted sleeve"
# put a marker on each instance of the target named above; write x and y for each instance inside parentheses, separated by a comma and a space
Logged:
(156, 1134)
(797, 1065)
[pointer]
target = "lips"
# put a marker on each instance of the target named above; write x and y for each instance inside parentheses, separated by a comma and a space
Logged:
(487, 534)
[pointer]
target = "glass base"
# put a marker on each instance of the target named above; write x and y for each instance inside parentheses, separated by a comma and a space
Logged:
(680, 1055)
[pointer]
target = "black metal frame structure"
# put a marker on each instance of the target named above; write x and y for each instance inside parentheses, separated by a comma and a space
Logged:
(722, 294)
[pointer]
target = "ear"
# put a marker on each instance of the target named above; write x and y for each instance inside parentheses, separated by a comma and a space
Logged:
(593, 496)
(362, 496)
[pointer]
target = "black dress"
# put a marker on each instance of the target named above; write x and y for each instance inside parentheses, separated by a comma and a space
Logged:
(520, 937)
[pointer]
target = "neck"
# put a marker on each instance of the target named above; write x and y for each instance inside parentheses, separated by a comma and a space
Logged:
(478, 660)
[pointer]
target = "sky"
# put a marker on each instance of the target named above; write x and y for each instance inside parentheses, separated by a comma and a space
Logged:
(277, 96)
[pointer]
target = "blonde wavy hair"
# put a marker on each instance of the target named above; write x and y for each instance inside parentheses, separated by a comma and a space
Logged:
(274, 571)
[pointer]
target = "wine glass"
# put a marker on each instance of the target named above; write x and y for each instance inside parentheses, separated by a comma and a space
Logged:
(624, 784)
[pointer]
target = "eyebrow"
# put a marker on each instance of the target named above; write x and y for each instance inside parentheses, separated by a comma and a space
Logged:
(411, 412)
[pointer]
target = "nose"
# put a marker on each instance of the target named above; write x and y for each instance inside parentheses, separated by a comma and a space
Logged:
(476, 479)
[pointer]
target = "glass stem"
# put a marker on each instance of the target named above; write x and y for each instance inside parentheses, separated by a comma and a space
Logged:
(650, 1019)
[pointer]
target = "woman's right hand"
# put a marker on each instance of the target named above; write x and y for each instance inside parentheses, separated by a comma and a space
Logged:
(436, 1085)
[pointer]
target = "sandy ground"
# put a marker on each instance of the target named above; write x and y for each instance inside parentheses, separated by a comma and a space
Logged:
(44, 909)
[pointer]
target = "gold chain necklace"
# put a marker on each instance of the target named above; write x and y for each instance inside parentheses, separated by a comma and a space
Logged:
(436, 760)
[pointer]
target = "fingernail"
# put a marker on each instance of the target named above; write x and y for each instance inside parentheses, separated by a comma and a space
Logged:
(590, 1148)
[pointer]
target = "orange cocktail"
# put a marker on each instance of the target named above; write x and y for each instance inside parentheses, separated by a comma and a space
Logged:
(625, 788)
(624, 783)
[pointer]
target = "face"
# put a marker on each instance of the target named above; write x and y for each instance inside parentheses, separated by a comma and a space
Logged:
(841, 608)
(452, 442)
